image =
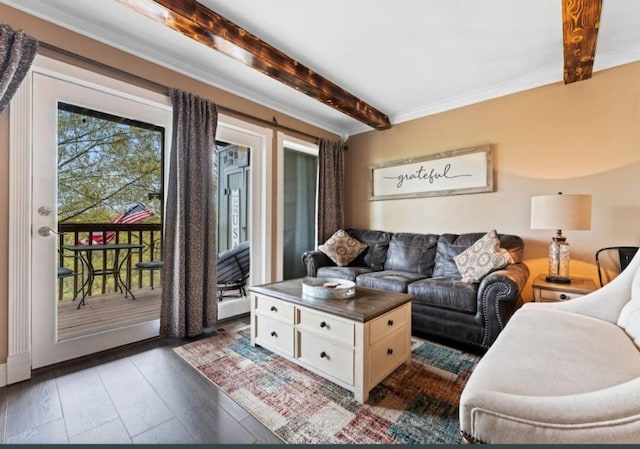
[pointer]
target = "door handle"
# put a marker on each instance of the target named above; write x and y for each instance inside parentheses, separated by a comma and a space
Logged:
(46, 231)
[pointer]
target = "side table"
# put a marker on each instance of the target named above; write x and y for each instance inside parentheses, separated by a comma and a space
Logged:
(544, 291)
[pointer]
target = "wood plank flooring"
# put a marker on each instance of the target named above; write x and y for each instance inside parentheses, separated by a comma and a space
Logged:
(106, 312)
(140, 393)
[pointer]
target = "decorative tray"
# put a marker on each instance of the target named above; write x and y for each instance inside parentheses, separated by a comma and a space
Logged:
(328, 288)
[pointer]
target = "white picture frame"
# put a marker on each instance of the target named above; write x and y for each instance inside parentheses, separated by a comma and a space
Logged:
(457, 172)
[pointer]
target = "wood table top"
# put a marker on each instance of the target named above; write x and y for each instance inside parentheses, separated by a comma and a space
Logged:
(366, 305)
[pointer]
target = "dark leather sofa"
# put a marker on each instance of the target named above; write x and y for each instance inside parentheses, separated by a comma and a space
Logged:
(422, 265)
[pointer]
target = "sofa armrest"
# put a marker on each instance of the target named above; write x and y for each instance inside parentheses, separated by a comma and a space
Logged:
(605, 303)
(314, 260)
(499, 296)
(609, 415)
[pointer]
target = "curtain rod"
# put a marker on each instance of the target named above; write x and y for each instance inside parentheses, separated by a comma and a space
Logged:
(162, 89)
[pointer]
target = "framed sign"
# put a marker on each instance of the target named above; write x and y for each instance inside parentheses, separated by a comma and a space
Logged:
(468, 170)
(235, 217)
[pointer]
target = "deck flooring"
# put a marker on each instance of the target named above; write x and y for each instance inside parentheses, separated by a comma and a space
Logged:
(107, 312)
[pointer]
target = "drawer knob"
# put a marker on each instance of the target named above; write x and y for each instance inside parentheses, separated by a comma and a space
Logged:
(390, 323)
(273, 309)
(563, 296)
(274, 334)
(389, 351)
(323, 355)
(323, 324)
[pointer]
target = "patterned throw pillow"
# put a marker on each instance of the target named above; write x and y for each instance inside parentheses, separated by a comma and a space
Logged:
(342, 248)
(481, 258)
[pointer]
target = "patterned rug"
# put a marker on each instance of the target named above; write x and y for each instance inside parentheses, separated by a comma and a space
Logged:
(416, 404)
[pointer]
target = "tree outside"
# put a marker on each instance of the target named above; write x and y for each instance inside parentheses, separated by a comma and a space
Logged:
(105, 164)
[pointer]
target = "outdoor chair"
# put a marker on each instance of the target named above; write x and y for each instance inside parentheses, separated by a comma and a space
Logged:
(64, 271)
(155, 262)
(233, 271)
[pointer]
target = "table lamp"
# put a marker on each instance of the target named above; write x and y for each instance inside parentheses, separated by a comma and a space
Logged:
(559, 212)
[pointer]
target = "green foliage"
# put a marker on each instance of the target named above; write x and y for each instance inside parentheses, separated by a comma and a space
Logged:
(104, 164)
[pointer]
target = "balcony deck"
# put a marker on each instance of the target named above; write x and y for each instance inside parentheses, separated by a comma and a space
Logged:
(108, 311)
(112, 311)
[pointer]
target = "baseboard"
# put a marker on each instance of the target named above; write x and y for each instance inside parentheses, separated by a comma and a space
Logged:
(18, 368)
(230, 307)
(3, 375)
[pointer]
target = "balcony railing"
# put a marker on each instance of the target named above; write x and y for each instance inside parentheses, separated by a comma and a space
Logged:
(147, 235)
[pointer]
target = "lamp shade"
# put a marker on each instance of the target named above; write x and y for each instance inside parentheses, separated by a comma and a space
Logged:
(572, 212)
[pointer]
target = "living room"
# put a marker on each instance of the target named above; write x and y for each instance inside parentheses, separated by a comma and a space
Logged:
(578, 138)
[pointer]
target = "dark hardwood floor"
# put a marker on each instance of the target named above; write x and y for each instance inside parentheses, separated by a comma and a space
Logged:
(140, 393)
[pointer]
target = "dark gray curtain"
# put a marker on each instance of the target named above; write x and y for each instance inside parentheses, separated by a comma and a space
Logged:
(189, 284)
(17, 51)
(330, 188)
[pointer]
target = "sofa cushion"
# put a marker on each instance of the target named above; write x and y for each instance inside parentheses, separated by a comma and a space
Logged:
(445, 293)
(558, 352)
(342, 248)
(413, 253)
(481, 258)
(450, 245)
(348, 273)
(377, 245)
(395, 281)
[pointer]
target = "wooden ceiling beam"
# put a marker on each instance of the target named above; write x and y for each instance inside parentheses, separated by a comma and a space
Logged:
(580, 23)
(209, 28)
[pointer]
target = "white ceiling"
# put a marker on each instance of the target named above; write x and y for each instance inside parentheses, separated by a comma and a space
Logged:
(407, 58)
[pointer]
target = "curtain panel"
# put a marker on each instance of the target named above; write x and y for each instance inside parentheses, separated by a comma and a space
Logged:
(330, 188)
(189, 284)
(17, 51)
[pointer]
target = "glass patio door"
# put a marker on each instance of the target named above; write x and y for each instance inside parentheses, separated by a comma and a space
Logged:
(234, 200)
(97, 207)
(299, 233)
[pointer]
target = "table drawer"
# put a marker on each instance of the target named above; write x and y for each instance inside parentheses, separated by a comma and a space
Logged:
(326, 356)
(274, 308)
(328, 326)
(389, 322)
(552, 295)
(388, 353)
(274, 335)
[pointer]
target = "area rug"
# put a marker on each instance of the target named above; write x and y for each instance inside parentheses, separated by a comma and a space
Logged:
(416, 404)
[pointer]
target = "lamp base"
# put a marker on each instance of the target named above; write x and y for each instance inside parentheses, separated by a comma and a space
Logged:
(558, 279)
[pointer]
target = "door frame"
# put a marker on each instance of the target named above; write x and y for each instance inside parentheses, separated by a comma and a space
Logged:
(54, 82)
(260, 142)
(18, 365)
(21, 224)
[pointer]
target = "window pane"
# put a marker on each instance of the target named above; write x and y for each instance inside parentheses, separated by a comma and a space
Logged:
(109, 192)
(105, 164)
(300, 174)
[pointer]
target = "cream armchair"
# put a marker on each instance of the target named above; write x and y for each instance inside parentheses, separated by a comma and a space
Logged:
(562, 372)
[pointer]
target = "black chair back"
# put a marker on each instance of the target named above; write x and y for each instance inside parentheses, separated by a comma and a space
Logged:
(233, 269)
(624, 254)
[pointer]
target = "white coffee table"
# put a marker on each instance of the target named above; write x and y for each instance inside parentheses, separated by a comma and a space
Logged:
(354, 343)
